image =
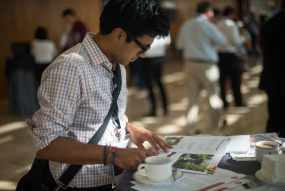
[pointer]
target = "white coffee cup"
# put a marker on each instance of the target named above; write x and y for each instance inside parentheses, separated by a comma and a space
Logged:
(265, 147)
(157, 168)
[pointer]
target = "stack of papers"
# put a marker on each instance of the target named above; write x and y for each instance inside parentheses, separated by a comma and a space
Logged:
(249, 156)
(239, 144)
(198, 158)
(239, 148)
(220, 180)
(242, 147)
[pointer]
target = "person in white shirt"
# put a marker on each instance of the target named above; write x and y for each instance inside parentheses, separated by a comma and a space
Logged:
(44, 51)
(152, 71)
(228, 63)
(198, 38)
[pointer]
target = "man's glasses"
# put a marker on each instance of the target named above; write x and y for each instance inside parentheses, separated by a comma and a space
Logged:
(139, 44)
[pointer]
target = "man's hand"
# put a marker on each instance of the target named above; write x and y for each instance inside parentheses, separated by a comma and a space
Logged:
(131, 158)
(140, 135)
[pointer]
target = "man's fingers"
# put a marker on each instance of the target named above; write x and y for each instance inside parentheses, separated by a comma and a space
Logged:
(139, 145)
(154, 144)
(168, 145)
(162, 144)
(150, 153)
(137, 160)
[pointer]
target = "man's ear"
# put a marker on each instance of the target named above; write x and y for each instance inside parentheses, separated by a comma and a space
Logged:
(118, 35)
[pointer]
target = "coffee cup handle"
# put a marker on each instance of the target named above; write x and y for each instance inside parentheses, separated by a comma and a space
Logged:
(140, 169)
(282, 147)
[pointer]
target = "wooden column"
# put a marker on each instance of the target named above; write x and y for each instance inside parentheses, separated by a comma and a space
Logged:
(242, 6)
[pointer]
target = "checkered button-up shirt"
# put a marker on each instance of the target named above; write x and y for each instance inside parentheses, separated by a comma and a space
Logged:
(75, 96)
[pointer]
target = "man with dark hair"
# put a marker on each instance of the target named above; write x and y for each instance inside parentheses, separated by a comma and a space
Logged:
(198, 39)
(76, 93)
(68, 12)
(79, 30)
(41, 34)
(217, 15)
(272, 77)
(204, 7)
(228, 62)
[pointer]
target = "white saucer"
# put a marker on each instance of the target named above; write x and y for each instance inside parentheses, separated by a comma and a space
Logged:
(260, 177)
(143, 179)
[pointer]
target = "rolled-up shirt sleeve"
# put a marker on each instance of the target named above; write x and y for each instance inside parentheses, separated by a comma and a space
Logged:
(59, 95)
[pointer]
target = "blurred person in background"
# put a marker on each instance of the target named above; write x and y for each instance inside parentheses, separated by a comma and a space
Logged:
(44, 52)
(273, 9)
(272, 79)
(228, 63)
(152, 71)
(217, 16)
(253, 29)
(198, 38)
(78, 31)
(263, 20)
(246, 18)
(136, 77)
(242, 52)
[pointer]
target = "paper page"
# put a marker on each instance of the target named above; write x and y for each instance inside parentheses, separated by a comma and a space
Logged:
(231, 186)
(195, 182)
(240, 143)
(239, 188)
(198, 145)
(241, 155)
(279, 188)
(245, 159)
(194, 163)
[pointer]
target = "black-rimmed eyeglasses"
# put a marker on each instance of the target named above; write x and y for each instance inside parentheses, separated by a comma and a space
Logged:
(139, 44)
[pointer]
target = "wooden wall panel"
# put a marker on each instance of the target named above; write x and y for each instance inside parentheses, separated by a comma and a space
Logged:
(20, 18)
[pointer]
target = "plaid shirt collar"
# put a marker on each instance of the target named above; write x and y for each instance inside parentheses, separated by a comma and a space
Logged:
(95, 54)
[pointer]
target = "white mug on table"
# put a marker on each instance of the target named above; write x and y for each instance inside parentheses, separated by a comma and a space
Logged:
(265, 147)
(156, 168)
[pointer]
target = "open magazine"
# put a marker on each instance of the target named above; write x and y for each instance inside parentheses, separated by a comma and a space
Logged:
(199, 155)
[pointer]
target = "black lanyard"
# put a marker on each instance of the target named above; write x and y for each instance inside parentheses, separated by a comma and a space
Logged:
(115, 88)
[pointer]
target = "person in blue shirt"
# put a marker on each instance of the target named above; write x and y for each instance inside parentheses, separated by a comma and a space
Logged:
(198, 38)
